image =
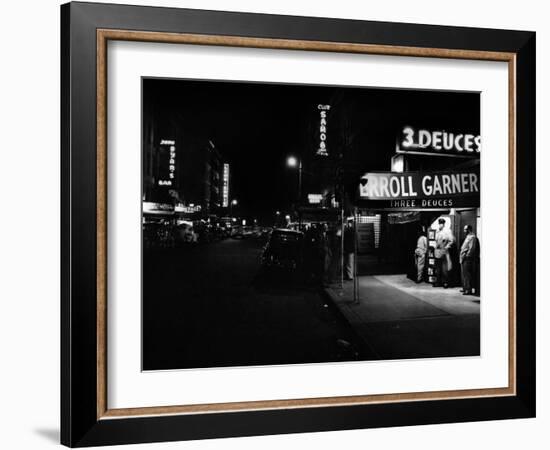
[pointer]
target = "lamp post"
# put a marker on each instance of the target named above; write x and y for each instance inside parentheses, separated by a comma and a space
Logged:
(293, 162)
(234, 202)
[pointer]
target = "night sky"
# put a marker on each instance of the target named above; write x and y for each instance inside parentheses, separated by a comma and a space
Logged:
(256, 126)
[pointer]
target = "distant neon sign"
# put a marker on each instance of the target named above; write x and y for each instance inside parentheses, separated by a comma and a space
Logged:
(225, 187)
(169, 180)
(192, 208)
(153, 207)
(322, 150)
(315, 199)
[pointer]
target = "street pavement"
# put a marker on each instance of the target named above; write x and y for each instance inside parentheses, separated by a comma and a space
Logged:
(400, 319)
(211, 305)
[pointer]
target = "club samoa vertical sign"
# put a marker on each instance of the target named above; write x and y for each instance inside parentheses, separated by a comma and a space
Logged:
(420, 190)
(323, 112)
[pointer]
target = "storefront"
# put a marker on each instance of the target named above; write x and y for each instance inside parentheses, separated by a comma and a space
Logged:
(158, 220)
(394, 208)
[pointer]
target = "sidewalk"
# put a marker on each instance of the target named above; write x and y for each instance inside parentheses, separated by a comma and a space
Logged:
(398, 318)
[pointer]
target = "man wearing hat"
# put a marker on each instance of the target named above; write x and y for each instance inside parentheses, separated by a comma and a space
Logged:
(444, 239)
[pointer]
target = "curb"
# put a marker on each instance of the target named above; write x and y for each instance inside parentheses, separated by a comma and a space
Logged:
(364, 345)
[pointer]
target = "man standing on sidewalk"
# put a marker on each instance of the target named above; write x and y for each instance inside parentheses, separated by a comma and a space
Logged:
(444, 239)
(420, 254)
(349, 252)
(468, 254)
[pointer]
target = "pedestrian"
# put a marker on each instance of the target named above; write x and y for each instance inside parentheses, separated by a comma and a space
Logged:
(311, 250)
(444, 239)
(420, 254)
(349, 251)
(468, 255)
(326, 253)
(336, 255)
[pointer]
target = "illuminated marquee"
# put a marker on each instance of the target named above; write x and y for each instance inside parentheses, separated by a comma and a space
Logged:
(315, 199)
(192, 208)
(322, 150)
(421, 189)
(439, 142)
(154, 207)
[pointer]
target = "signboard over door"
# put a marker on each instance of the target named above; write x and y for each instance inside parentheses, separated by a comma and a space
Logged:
(438, 142)
(420, 190)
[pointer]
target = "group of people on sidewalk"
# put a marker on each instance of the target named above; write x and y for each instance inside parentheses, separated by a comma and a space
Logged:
(327, 254)
(444, 241)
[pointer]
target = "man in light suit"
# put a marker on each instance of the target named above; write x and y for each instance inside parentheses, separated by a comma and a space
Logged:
(444, 239)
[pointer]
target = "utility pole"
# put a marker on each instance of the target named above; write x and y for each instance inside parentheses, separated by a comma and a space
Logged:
(299, 193)
(355, 279)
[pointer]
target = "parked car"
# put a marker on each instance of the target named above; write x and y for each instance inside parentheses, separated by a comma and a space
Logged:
(284, 250)
(237, 232)
(158, 234)
(242, 232)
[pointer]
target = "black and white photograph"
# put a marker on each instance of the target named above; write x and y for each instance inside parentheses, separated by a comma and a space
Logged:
(299, 224)
(275, 225)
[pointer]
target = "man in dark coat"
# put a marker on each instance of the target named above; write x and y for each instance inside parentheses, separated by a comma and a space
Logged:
(349, 252)
(468, 255)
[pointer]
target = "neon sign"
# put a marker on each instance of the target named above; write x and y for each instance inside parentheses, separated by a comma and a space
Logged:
(322, 150)
(225, 187)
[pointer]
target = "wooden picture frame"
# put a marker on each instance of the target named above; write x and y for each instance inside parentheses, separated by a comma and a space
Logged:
(86, 418)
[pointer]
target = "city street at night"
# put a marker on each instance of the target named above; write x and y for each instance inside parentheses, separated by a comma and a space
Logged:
(298, 224)
(212, 305)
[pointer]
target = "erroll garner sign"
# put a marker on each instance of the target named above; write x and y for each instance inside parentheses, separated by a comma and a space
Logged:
(421, 189)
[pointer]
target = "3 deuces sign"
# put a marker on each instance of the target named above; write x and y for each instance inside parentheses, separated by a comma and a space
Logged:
(420, 190)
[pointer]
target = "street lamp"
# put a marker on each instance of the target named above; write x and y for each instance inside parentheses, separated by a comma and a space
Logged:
(292, 161)
(277, 218)
(234, 202)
